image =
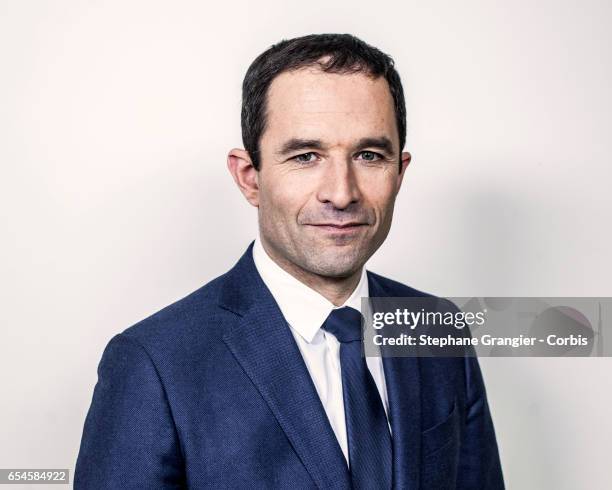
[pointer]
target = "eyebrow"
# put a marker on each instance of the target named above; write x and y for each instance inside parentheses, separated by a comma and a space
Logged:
(381, 143)
(296, 144)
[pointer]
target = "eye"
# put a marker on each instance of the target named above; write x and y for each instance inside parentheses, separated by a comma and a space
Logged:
(370, 156)
(305, 157)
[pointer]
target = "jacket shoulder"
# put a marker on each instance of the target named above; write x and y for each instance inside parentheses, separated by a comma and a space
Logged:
(185, 317)
(395, 288)
(392, 288)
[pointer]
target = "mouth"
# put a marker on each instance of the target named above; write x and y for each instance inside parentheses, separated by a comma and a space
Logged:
(339, 225)
(339, 228)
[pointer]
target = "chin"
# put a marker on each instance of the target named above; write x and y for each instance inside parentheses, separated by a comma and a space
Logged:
(334, 265)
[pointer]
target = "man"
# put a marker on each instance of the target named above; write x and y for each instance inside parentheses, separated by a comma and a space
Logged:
(256, 380)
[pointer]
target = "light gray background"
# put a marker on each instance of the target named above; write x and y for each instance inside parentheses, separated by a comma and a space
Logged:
(115, 121)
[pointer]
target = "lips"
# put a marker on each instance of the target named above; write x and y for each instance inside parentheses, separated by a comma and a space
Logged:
(339, 225)
(339, 230)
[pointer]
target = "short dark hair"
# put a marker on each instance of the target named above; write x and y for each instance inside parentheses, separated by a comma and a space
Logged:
(342, 53)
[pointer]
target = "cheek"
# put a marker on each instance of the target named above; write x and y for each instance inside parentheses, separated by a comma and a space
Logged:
(379, 192)
(281, 199)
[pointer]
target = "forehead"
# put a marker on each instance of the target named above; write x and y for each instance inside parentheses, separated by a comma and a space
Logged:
(310, 103)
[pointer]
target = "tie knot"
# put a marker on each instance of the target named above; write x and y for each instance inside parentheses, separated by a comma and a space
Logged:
(344, 323)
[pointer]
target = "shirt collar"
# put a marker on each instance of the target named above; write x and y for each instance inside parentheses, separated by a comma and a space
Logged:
(304, 308)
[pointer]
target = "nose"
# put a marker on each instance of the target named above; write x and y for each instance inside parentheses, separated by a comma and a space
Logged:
(338, 185)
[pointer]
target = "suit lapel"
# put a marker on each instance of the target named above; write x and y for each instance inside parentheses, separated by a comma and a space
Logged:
(263, 345)
(402, 378)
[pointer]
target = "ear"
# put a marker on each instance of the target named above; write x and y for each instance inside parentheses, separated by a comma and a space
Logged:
(241, 167)
(406, 159)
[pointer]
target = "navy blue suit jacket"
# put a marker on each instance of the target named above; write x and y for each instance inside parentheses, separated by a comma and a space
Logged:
(212, 392)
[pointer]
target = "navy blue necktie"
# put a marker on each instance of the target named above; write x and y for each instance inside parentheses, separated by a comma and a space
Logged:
(369, 440)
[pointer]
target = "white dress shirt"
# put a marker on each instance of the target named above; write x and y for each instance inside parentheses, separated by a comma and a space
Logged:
(306, 310)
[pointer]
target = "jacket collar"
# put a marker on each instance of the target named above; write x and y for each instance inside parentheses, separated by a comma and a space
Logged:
(403, 380)
(263, 345)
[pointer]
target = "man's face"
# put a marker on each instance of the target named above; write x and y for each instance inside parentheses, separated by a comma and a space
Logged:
(328, 170)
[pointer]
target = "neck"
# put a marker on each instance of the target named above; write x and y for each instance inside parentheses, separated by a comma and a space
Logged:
(335, 289)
